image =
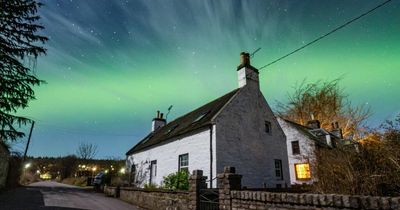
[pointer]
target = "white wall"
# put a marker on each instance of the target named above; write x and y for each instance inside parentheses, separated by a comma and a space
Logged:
(167, 155)
(307, 151)
(243, 143)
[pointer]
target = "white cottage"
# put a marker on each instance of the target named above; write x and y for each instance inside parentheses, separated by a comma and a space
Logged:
(238, 129)
(302, 144)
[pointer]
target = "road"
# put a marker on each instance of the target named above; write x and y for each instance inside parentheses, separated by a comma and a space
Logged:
(50, 195)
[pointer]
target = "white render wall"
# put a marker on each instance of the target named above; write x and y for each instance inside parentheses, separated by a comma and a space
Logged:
(196, 145)
(243, 143)
(307, 151)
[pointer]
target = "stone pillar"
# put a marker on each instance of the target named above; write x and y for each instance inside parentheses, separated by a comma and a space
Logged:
(228, 181)
(196, 182)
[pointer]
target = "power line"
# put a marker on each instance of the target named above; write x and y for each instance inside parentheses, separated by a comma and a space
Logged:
(327, 34)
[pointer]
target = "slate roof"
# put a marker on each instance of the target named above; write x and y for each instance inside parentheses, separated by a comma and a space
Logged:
(197, 119)
(311, 133)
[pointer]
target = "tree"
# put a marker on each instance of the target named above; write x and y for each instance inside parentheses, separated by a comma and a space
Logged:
(326, 102)
(391, 129)
(19, 48)
(86, 151)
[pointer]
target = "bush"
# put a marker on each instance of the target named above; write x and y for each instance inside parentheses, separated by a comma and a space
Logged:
(150, 186)
(372, 170)
(177, 181)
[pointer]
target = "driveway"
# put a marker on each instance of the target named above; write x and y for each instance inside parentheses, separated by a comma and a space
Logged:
(50, 195)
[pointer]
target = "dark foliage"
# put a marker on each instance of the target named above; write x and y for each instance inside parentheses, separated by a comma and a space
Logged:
(20, 45)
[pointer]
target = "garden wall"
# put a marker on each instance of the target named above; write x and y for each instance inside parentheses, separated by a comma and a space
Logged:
(233, 197)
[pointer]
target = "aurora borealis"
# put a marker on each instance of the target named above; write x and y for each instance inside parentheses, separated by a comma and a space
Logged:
(111, 64)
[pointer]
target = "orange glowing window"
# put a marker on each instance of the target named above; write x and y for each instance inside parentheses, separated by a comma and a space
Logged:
(302, 171)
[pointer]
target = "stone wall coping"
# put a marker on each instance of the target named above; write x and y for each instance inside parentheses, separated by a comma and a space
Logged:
(153, 190)
(324, 200)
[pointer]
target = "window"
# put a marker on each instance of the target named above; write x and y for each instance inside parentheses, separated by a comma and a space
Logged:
(295, 148)
(302, 171)
(200, 117)
(183, 164)
(278, 169)
(153, 171)
(171, 129)
(267, 127)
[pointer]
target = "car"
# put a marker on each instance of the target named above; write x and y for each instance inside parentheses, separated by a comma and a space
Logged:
(98, 180)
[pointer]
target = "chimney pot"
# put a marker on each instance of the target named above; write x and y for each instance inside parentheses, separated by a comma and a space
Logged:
(247, 74)
(158, 121)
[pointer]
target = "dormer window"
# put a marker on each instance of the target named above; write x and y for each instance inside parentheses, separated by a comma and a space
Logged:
(200, 117)
(267, 127)
(171, 129)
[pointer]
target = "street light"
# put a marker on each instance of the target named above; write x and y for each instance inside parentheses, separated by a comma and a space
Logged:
(122, 171)
(27, 165)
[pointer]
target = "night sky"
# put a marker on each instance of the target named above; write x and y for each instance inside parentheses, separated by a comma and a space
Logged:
(111, 64)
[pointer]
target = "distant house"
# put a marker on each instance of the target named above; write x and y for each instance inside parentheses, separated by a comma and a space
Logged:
(302, 143)
(237, 129)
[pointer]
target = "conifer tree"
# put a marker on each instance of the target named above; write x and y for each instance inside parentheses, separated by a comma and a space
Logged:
(20, 45)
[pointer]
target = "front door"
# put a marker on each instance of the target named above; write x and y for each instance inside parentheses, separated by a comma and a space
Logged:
(153, 171)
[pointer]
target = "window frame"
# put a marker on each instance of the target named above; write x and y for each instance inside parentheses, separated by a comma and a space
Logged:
(180, 168)
(280, 169)
(298, 147)
(153, 163)
(267, 127)
(309, 171)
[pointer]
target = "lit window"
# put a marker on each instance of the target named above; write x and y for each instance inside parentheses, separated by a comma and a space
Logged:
(302, 171)
(278, 169)
(267, 127)
(184, 162)
(295, 148)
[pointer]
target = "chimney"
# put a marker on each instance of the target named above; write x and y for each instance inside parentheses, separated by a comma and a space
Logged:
(336, 130)
(158, 121)
(314, 124)
(247, 74)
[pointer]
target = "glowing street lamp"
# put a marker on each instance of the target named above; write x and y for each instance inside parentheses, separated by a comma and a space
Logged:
(122, 171)
(27, 165)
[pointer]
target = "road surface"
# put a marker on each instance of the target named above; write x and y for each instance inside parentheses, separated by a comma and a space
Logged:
(50, 195)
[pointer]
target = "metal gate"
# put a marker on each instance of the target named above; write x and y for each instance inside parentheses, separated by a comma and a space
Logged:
(209, 199)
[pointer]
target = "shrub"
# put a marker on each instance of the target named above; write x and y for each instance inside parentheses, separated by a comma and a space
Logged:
(372, 170)
(177, 181)
(150, 186)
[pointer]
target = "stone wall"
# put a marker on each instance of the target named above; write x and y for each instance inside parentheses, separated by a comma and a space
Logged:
(4, 164)
(159, 199)
(232, 197)
(155, 199)
(242, 199)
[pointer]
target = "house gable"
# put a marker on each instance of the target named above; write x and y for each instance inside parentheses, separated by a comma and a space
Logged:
(241, 127)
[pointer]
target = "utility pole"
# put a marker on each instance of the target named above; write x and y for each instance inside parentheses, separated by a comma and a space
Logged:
(29, 139)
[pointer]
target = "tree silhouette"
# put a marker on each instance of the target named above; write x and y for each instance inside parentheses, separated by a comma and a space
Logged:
(326, 102)
(20, 45)
(86, 151)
